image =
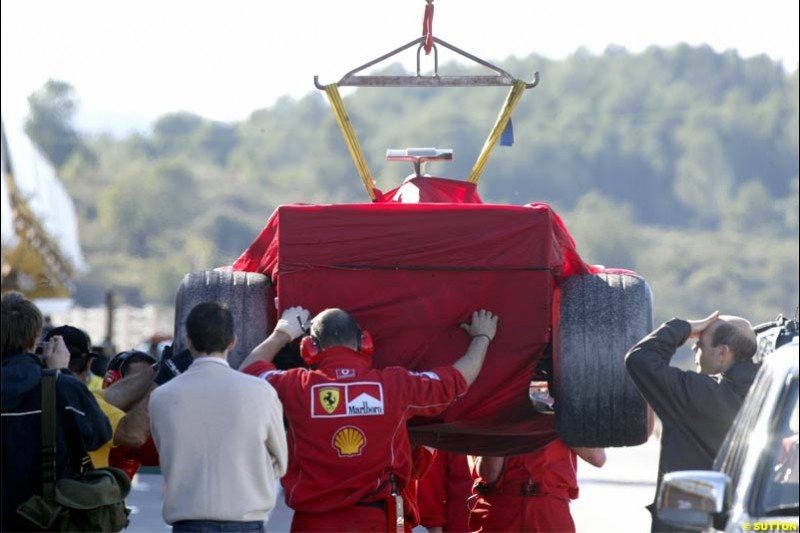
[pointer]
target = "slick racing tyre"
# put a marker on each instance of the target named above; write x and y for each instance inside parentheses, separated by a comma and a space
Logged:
(602, 316)
(246, 294)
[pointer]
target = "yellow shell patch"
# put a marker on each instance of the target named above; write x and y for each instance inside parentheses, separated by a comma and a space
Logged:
(349, 441)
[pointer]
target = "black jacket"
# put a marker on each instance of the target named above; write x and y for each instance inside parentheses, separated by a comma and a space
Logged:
(79, 423)
(696, 410)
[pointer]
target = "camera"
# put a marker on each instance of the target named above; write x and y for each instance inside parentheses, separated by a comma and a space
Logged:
(40, 346)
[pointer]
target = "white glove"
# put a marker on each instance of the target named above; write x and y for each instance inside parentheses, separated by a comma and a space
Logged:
(292, 321)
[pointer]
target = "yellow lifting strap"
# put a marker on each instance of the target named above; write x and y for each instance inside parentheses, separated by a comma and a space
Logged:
(505, 115)
(349, 134)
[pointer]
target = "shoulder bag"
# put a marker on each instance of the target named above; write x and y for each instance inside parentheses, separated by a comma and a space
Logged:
(94, 501)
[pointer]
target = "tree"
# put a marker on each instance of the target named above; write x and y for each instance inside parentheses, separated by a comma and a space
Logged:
(144, 202)
(604, 231)
(752, 210)
(681, 163)
(49, 124)
(704, 177)
(174, 132)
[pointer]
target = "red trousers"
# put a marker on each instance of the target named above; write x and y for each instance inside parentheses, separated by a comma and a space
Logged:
(350, 519)
(535, 514)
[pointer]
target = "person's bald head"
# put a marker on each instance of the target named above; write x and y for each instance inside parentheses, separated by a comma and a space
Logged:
(737, 333)
(335, 327)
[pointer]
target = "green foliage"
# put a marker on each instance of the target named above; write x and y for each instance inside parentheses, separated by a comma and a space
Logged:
(145, 200)
(49, 125)
(602, 231)
(680, 163)
(692, 273)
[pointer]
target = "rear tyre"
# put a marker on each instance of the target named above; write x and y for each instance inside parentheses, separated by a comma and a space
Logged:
(246, 294)
(601, 317)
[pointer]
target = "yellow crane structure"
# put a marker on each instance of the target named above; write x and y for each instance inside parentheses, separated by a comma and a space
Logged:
(34, 259)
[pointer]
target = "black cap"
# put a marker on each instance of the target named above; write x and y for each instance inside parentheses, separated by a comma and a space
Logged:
(77, 341)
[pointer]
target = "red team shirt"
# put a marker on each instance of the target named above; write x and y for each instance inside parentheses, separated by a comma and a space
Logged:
(443, 493)
(347, 426)
(422, 460)
(504, 508)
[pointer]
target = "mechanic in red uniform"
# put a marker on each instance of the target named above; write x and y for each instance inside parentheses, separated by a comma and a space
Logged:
(422, 459)
(349, 452)
(124, 364)
(120, 374)
(528, 492)
(442, 494)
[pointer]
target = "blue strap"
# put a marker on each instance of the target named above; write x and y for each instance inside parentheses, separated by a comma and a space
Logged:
(507, 137)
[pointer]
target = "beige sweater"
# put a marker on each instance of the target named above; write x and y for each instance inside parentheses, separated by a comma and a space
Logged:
(222, 443)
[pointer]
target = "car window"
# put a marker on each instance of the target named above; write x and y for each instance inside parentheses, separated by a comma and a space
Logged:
(779, 494)
(733, 452)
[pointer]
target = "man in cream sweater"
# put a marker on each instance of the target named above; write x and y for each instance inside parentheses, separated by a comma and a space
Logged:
(219, 433)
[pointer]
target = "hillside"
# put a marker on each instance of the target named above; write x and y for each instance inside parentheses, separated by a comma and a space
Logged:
(680, 163)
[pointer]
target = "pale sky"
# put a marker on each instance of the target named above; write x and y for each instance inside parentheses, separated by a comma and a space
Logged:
(223, 60)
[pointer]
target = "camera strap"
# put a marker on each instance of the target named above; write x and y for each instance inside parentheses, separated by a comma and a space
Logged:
(48, 454)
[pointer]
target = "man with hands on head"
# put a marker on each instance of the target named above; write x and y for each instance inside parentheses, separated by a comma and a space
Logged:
(349, 449)
(695, 408)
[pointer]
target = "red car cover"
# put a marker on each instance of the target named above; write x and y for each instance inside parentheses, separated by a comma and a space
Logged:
(411, 272)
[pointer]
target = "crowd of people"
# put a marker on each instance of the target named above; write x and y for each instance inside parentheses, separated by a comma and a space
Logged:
(105, 418)
(334, 431)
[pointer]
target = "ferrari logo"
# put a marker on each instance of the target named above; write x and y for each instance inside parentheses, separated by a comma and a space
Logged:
(329, 398)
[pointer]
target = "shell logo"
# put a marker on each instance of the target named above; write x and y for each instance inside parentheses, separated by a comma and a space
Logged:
(349, 441)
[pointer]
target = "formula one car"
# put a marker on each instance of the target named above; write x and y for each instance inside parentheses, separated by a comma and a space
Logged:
(417, 260)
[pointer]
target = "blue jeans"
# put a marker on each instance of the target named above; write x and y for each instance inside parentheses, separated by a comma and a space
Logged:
(213, 526)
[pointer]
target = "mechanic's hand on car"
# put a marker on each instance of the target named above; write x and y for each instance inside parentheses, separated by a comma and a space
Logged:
(699, 326)
(483, 323)
(55, 353)
(292, 322)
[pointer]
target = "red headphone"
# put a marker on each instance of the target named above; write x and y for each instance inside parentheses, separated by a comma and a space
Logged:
(310, 348)
(111, 377)
(117, 364)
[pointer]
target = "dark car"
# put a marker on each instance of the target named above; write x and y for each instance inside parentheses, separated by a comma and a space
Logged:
(754, 483)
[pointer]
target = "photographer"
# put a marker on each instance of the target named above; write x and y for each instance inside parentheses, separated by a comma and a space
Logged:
(79, 421)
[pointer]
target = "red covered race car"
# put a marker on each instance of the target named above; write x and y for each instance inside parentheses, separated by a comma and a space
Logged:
(411, 272)
(414, 263)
